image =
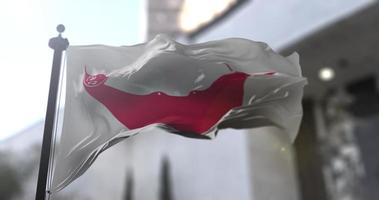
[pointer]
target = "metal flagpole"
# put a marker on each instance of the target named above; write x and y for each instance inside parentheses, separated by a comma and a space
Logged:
(59, 45)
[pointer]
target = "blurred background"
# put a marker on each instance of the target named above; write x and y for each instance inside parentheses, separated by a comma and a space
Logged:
(334, 157)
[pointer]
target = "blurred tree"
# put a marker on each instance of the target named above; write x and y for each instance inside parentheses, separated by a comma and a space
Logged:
(10, 184)
(128, 195)
(166, 189)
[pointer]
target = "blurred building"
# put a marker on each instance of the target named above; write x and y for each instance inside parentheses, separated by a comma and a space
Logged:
(163, 17)
(344, 107)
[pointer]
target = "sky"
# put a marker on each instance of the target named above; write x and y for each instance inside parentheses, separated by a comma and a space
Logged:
(25, 58)
(27, 25)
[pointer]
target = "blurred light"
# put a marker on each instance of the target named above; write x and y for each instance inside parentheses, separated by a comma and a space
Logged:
(326, 74)
(198, 13)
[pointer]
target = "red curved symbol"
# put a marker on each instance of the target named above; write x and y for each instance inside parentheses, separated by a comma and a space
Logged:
(196, 112)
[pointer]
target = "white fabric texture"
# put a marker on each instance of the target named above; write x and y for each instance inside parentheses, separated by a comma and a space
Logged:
(272, 93)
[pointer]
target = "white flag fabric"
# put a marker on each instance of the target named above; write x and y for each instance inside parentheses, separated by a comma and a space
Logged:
(191, 90)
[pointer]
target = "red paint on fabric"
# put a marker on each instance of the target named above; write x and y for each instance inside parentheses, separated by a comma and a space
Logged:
(197, 112)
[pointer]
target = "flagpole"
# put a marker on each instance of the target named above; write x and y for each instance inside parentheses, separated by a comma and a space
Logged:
(59, 45)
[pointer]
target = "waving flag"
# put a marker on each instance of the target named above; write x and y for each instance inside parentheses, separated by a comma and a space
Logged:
(191, 90)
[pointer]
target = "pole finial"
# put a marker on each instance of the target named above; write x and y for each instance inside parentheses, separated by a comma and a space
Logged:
(59, 43)
(60, 28)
